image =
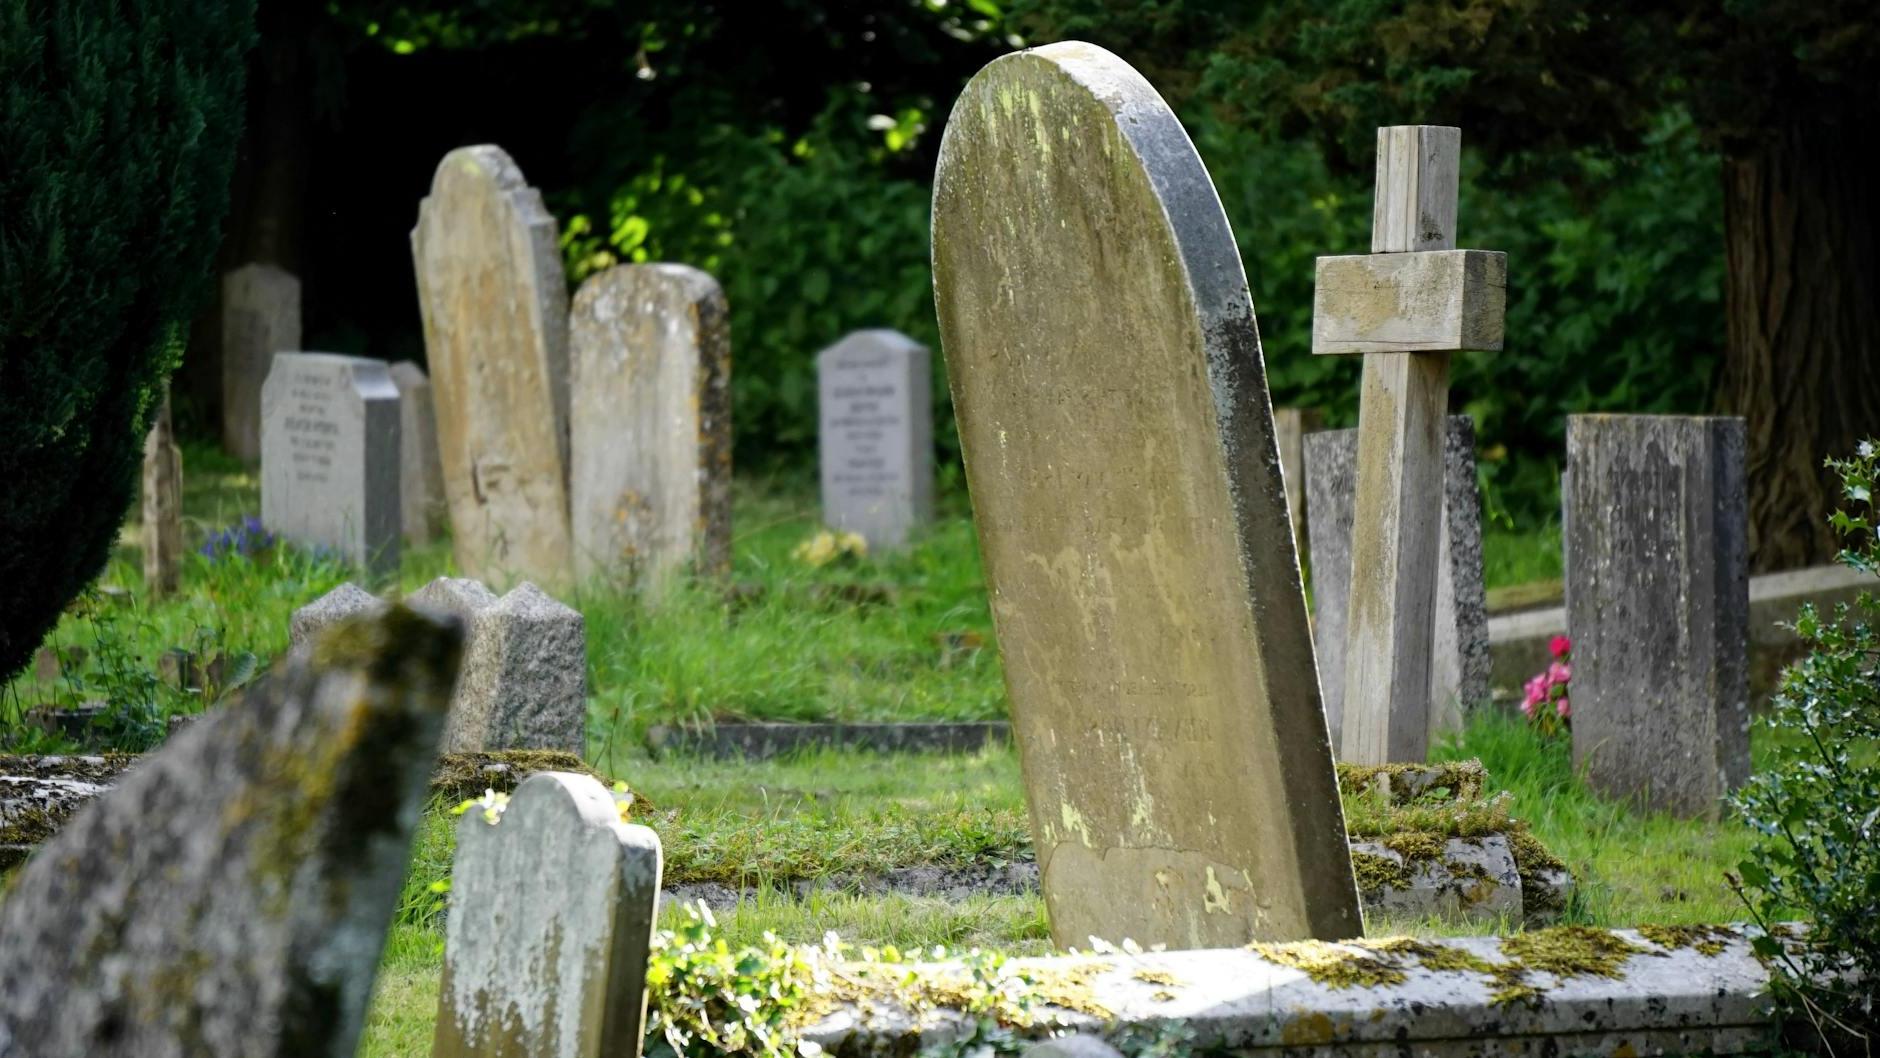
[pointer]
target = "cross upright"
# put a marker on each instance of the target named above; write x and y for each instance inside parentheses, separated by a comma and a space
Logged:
(1406, 306)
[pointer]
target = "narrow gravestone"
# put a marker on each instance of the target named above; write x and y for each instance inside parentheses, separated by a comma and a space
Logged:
(1658, 607)
(420, 475)
(1290, 427)
(1459, 663)
(329, 456)
(260, 317)
(874, 394)
(162, 516)
(551, 921)
(229, 897)
(524, 683)
(650, 482)
(1119, 447)
(495, 309)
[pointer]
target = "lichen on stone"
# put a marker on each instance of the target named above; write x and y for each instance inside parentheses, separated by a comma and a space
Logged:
(462, 776)
(1459, 781)
(1705, 940)
(1335, 965)
(1151, 976)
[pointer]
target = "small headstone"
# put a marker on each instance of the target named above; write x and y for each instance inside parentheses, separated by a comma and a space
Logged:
(524, 682)
(162, 521)
(1290, 427)
(229, 897)
(1459, 666)
(875, 394)
(260, 317)
(548, 963)
(343, 603)
(650, 482)
(420, 475)
(495, 308)
(329, 456)
(1119, 446)
(1658, 607)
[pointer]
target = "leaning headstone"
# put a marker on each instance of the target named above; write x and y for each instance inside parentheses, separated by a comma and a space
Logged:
(1459, 665)
(260, 317)
(548, 963)
(874, 395)
(420, 475)
(229, 897)
(1113, 412)
(495, 310)
(650, 482)
(329, 456)
(343, 603)
(524, 683)
(1658, 607)
(162, 521)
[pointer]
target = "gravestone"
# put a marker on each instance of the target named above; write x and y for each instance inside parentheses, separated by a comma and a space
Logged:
(229, 897)
(343, 603)
(551, 921)
(1459, 661)
(161, 525)
(524, 682)
(650, 482)
(329, 456)
(874, 394)
(420, 475)
(1290, 427)
(495, 310)
(1657, 607)
(260, 317)
(1119, 447)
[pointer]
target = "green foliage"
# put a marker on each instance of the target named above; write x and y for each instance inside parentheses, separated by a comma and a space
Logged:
(1816, 807)
(118, 125)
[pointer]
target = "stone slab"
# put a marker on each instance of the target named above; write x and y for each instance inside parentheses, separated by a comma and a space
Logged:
(260, 317)
(1120, 452)
(874, 394)
(1475, 880)
(424, 512)
(650, 479)
(762, 741)
(329, 457)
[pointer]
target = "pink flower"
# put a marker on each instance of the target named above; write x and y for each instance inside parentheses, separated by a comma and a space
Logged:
(1527, 708)
(1536, 690)
(1559, 673)
(1559, 646)
(1562, 709)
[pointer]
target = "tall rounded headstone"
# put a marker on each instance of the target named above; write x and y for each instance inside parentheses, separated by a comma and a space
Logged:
(1119, 445)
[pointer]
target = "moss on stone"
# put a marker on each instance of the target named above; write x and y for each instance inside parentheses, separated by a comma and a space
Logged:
(1535, 863)
(1458, 781)
(462, 776)
(1376, 873)
(1705, 940)
(102, 769)
(1572, 951)
(1416, 846)
(1335, 965)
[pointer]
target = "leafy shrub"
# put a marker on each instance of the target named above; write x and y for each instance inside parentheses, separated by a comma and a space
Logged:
(1817, 806)
(118, 126)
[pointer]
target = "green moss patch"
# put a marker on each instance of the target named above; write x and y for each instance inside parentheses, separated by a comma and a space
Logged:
(1705, 940)
(462, 776)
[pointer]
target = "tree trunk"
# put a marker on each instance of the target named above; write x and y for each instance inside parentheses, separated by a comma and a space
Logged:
(1802, 301)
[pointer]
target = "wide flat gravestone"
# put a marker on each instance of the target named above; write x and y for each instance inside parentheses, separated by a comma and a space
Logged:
(1658, 607)
(495, 311)
(1459, 662)
(229, 897)
(1112, 401)
(329, 456)
(551, 920)
(875, 400)
(260, 317)
(420, 475)
(650, 483)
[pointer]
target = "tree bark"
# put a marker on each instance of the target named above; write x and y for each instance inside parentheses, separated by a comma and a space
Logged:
(1802, 302)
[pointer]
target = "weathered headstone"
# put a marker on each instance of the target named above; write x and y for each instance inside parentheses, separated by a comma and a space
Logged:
(1406, 306)
(650, 482)
(162, 521)
(551, 922)
(420, 474)
(343, 603)
(524, 682)
(1459, 663)
(1112, 402)
(260, 317)
(1290, 427)
(229, 897)
(329, 456)
(495, 308)
(1657, 606)
(874, 393)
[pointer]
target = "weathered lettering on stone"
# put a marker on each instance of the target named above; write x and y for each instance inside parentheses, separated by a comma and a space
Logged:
(260, 317)
(1657, 607)
(651, 477)
(329, 456)
(495, 308)
(229, 897)
(420, 475)
(551, 921)
(1119, 446)
(874, 395)
(524, 682)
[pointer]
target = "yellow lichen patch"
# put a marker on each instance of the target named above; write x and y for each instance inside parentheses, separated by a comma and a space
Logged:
(1572, 951)
(1334, 965)
(1151, 976)
(1162, 996)
(1705, 940)
(1308, 1030)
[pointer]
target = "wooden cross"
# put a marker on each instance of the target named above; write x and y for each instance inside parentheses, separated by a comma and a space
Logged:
(1407, 305)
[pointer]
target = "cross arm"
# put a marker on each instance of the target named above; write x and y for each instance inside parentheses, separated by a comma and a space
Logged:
(1416, 302)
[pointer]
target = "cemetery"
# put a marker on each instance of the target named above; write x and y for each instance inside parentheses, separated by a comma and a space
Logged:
(1054, 566)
